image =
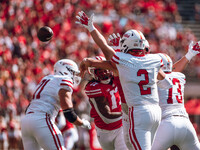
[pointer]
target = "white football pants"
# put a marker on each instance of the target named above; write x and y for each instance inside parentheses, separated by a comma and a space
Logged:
(39, 131)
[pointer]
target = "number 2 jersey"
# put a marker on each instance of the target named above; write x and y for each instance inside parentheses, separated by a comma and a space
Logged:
(111, 93)
(172, 100)
(138, 76)
(46, 98)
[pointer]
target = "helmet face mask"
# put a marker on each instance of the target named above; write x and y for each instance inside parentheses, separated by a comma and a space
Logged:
(132, 39)
(147, 47)
(167, 62)
(67, 67)
(103, 74)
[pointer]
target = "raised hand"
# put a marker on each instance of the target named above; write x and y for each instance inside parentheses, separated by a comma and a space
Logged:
(196, 47)
(115, 40)
(193, 50)
(85, 21)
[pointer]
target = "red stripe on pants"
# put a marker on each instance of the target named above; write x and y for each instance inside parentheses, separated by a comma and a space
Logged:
(132, 134)
(53, 130)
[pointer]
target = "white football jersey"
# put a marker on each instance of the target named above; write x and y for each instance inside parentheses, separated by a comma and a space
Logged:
(138, 76)
(46, 98)
(172, 100)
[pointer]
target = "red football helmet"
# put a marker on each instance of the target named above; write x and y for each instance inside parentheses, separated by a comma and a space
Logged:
(101, 75)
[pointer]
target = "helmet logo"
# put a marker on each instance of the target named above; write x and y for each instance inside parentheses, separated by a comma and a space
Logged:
(64, 63)
(126, 35)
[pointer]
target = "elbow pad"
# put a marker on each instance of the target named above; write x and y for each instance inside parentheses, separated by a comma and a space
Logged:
(166, 83)
(70, 115)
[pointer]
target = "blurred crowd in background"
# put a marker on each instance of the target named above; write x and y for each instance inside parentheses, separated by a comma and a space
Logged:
(24, 60)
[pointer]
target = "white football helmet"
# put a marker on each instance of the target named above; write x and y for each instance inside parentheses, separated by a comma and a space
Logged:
(132, 39)
(104, 76)
(167, 62)
(67, 67)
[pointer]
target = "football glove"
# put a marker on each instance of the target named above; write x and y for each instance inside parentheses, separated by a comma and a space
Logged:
(193, 50)
(85, 21)
(115, 40)
(86, 124)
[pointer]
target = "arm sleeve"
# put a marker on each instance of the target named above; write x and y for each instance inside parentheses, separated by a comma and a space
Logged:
(166, 83)
(115, 58)
(66, 83)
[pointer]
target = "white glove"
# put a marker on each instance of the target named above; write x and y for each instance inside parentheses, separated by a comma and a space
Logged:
(85, 21)
(115, 40)
(193, 50)
(86, 124)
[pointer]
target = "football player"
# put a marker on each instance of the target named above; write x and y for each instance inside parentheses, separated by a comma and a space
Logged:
(174, 108)
(114, 39)
(175, 123)
(137, 73)
(105, 101)
(53, 93)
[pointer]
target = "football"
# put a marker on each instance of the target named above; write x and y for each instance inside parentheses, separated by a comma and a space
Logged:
(45, 34)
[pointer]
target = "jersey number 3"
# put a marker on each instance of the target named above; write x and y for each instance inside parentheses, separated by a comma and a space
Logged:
(179, 97)
(144, 82)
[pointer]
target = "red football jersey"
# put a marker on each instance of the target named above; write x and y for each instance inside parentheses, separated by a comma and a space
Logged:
(121, 93)
(111, 93)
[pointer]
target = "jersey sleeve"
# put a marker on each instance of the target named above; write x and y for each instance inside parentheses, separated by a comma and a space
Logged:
(160, 61)
(116, 58)
(182, 77)
(66, 83)
(93, 89)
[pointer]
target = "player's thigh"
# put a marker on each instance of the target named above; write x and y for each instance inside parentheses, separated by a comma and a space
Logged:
(106, 139)
(119, 141)
(70, 137)
(154, 130)
(48, 135)
(141, 123)
(164, 136)
(190, 140)
(145, 118)
(126, 125)
(29, 141)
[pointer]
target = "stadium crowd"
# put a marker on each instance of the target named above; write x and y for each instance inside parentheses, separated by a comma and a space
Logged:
(24, 60)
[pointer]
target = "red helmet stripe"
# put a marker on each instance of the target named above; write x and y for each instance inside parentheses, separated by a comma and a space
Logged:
(167, 58)
(139, 34)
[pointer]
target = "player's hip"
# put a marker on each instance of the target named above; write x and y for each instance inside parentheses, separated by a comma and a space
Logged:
(145, 118)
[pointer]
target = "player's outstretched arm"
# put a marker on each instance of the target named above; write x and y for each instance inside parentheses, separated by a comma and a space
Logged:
(68, 110)
(96, 35)
(114, 39)
(90, 62)
(193, 50)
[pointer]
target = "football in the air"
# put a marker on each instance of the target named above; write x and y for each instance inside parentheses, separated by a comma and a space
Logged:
(45, 34)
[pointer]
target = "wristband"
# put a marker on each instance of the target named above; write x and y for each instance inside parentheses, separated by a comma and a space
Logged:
(91, 28)
(189, 56)
(70, 115)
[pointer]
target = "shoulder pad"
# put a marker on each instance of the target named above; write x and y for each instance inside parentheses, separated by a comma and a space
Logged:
(93, 89)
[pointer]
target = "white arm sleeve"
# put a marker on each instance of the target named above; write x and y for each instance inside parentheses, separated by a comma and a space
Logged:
(166, 83)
